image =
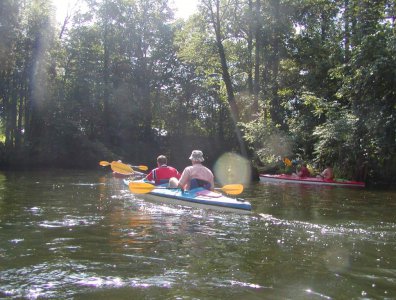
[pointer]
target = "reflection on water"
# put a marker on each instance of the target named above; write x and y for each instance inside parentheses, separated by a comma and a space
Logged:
(82, 235)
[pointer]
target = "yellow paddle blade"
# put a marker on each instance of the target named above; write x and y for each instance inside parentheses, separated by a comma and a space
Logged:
(287, 161)
(232, 189)
(140, 187)
(141, 167)
(121, 168)
(104, 163)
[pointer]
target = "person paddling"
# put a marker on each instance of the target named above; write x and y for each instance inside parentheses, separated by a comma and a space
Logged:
(195, 175)
(304, 172)
(327, 173)
(163, 172)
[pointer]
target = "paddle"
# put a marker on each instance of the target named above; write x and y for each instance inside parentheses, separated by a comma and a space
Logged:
(144, 188)
(121, 168)
(232, 189)
(106, 163)
(118, 167)
(141, 167)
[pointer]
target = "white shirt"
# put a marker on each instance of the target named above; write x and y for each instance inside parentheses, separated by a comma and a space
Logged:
(197, 171)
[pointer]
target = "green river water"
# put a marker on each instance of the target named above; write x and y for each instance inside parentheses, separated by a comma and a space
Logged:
(82, 235)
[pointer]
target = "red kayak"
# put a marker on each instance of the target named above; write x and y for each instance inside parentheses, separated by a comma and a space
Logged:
(309, 180)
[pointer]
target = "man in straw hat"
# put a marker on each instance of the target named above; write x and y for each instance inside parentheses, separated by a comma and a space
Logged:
(195, 175)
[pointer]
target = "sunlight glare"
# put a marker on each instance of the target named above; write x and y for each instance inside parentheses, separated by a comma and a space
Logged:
(232, 168)
(183, 8)
(63, 8)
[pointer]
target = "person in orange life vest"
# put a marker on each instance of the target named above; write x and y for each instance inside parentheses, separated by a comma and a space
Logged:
(195, 175)
(304, 172)
(163, 172)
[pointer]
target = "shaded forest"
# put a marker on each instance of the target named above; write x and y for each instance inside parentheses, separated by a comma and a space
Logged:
(311, 80)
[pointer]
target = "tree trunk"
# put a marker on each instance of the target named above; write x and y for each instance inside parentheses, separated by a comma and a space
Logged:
(276, 108)
(106, 94)
(216, 22)
(347, 34)
(251, 28)
(257, 32)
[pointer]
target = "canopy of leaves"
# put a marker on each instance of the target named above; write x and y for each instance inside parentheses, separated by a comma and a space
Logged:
(311, 80)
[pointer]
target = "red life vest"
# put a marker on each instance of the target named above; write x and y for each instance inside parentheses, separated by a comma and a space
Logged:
(163, 174)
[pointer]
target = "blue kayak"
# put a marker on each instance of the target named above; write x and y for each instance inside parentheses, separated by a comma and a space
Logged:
(197, 197)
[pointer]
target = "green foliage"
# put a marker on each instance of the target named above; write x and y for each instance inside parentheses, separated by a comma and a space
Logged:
(369, 86)
(267, 141)
(336, 141)
(196, 47)
(307, 79)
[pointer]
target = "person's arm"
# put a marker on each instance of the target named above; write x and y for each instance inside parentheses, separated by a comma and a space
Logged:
(149, 176)
(212, 181)
(176, 173)
(212, 184)
(184, 178)
(324, 173)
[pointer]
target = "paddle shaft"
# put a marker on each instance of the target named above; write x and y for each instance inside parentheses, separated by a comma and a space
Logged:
(144, 187)
(122, 165)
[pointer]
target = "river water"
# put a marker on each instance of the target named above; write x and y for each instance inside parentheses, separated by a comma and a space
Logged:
(82, 235)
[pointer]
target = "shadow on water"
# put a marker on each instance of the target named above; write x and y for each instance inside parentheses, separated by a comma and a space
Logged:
(80, 235)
